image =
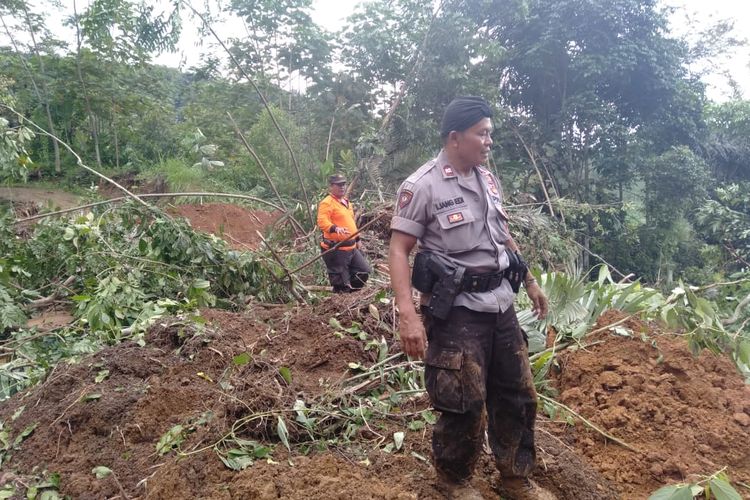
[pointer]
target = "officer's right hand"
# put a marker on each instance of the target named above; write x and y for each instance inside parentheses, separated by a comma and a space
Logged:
(412, 335)
(342, 230)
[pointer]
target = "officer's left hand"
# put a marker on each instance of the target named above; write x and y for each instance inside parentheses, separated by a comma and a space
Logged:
(538, 299)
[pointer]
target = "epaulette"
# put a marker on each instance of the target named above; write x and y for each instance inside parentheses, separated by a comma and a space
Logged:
(420, 172)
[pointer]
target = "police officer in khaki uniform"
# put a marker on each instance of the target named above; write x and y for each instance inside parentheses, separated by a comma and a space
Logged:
(476, 357)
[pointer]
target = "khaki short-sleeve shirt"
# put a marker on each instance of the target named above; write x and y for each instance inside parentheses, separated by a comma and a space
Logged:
(461, 218)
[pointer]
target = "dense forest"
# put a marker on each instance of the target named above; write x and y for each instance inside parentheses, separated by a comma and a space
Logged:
(627, 186)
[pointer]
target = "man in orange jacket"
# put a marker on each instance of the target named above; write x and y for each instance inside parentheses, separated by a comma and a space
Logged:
(347, 269)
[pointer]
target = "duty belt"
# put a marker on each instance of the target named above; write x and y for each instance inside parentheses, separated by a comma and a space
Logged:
(344, 244)
(482, 282)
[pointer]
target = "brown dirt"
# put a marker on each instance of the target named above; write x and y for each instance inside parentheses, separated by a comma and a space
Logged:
(23, 196)
(236, 224)
(688, 417)
(177, 379)
(49, 320)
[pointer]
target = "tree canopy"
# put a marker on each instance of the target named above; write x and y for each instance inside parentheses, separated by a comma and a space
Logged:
(600, 125)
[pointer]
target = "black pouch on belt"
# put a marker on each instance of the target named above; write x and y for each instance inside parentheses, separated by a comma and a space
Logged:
(516, 271)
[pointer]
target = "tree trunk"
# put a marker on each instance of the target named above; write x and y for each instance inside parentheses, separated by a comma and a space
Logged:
(589, 218)
(50, 123)
(87, 101)
(114, 125)
(42, 99)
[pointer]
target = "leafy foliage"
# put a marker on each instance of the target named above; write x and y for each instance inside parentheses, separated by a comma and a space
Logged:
(576, 305)
(123, 269)
(14, 159)
(716, 486)
(726, 220)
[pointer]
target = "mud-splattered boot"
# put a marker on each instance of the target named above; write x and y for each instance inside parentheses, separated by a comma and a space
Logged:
(457, 491)
(523, 488)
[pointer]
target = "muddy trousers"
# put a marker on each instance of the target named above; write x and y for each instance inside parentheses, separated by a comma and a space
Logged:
(479, 362)
(346, 269)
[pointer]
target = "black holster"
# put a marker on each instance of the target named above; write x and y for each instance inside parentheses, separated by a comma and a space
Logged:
(436, 275)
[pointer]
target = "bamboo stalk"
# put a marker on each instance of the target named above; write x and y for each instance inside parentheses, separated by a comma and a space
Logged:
(256, 158)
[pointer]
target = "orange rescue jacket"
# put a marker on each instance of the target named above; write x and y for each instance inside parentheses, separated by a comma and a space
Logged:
(333, 213)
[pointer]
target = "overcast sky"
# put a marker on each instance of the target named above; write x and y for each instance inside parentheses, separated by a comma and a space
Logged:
(691, 17)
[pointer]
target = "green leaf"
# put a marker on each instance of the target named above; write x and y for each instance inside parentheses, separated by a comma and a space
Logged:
(17, 413)
(7, 492)
(103, 374)
(101, 471)
(744, 352)
(286, 374)
(398, 439)
(242, 359)
(416, 425)
(92, 397)
(261, 451)
(283, 433)
(54, 480)
(201, 284)
(237, 463)
(673, 492)
(722, 490)
(24, 434)
(333, 322)
(374, 311)
(171, 439)
(429, 417)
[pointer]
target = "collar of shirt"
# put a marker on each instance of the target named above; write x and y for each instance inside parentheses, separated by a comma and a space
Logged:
(343, 201)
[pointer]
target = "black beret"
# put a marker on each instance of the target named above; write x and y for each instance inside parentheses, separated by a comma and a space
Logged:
(336, 179)
(462, 113)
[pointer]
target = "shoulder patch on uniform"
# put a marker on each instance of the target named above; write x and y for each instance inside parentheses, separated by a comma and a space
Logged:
(491, 184)
(448, 171)
(455, 217)
(405, 198)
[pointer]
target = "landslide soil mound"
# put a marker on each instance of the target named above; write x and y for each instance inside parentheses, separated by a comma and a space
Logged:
(237, 225)
(188, 377)
(112, 409)
(686, 416)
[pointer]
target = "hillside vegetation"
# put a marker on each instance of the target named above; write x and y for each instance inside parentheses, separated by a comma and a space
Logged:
(165, 325)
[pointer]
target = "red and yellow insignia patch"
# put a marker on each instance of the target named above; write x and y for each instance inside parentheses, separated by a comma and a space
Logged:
(448, 171)
(405, 198)
(490, 183)
(455, 217)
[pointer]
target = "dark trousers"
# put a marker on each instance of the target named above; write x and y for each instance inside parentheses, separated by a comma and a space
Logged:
(475, 362)
(344, 266)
